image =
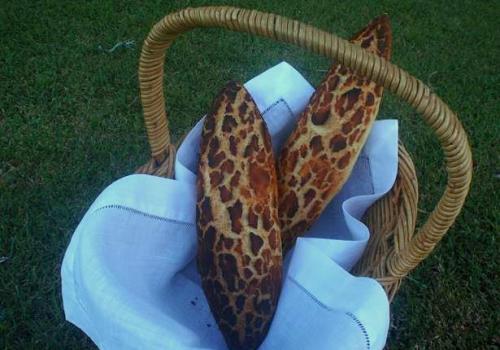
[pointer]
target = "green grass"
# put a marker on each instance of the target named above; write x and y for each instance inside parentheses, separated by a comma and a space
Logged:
(70, 124)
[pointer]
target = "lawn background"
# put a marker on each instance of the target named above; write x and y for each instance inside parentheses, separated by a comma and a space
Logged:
(70, 124)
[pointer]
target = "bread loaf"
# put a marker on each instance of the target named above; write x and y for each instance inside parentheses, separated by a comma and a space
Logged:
(239, 242)
(319, 155)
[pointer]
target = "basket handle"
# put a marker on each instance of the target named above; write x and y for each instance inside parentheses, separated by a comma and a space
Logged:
(435, 112)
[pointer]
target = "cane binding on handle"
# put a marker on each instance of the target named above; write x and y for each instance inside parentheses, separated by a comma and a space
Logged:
(399, 259)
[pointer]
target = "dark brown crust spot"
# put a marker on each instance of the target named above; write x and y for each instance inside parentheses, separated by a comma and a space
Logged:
(309, 196)
(227, 166)
(344, 161)
(292, 160)
(228, 123)
(352, 97)
(227, 242)
(289, 204)
(339, 105)
(216, 178)
(333, 82)
(229, 269)
(205, 212)
(240, 302)
(247, 273)
(233, 145)
(266, 255)
(225, 194)
(250, 119)
(303, 150)
(205, 254)
(214, 145)
(266, 285)
(273, 239)
(347, 127)
(357, 118)
(209, 125)
(253, 146)
(337, 143)
(235, 213)
(235, 180)
(241, 284)
(305, 179)
(266, 219)
(370, 99)
(316, 145)
(214, 160)
(353, 136)
(258, 266)
(246, 259)
(255, 243)
(242, 109)
(321, 116)
(253, 219)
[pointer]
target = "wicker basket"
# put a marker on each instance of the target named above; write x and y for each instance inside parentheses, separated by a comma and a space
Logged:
(395, 247)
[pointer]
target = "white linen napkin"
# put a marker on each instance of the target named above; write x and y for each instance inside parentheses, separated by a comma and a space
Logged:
(129, 278)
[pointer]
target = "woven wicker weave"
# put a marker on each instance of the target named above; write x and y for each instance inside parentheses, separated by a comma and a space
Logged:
(395, 247)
